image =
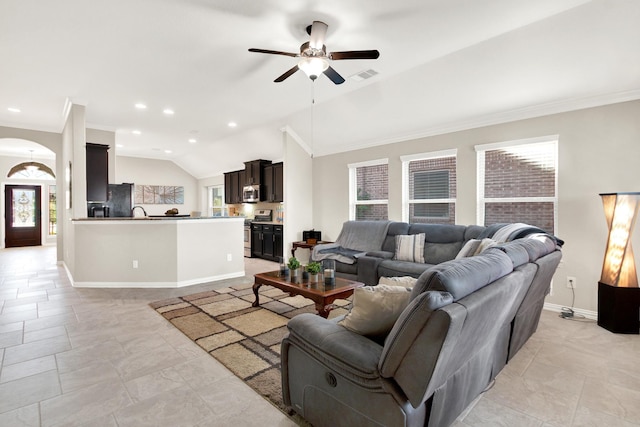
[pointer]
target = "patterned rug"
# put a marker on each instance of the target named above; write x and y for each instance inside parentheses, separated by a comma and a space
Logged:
(245, 339)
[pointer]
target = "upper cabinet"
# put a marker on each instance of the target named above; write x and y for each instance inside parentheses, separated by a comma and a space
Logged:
(274, 183)
(258, 172)
(97, 172)
(254, 172)
(233, 183)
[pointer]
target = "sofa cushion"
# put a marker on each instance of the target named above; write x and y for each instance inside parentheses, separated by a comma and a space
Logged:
(375, 309)
(405, 281)
(516, 252)
(463, 276)
(395, 229)
(390, 268)
(410, 248)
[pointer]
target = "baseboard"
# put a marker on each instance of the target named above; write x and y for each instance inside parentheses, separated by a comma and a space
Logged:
(593, 315)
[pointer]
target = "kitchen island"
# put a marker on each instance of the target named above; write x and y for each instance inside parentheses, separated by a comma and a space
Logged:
(145, 252)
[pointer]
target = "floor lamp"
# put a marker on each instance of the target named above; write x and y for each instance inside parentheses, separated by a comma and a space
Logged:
(618, 291)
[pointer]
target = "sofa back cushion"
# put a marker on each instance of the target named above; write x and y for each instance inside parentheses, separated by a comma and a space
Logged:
(395, 229)
(463, 276)
(442, 241)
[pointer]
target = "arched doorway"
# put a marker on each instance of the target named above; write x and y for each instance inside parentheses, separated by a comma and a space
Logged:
(29, 209)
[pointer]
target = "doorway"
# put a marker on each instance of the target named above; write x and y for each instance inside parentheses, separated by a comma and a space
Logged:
(22, 216)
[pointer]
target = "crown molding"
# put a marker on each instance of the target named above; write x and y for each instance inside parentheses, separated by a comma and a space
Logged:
(524, 113)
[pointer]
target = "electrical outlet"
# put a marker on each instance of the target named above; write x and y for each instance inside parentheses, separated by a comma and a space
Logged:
(135, 263)
(229, 257)
(571, 282)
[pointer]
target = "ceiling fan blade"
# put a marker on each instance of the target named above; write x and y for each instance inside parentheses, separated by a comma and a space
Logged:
(286, 74)
(273, 52)
(355, 54)
(318, 32)
(334, 76)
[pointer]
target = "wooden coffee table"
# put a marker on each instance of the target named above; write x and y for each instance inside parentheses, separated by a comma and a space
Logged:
(322, 295)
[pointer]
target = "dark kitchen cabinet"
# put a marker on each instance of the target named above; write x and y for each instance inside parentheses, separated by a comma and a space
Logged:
(233, 183)
(266, 241)
(254, 172)
(277, 242)
(274, 183)
(97, 172)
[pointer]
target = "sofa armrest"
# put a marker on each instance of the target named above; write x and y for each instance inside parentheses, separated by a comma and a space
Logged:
(352, 355)
(368, 269)
(381, 254)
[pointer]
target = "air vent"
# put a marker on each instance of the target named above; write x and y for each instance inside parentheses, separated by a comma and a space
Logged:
(364, 75)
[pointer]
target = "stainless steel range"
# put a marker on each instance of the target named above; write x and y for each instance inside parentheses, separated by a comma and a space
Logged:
(261, 215)
(247, 238)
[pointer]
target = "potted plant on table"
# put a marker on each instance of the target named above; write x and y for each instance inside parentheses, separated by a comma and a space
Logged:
(294, 267)
(313, 268)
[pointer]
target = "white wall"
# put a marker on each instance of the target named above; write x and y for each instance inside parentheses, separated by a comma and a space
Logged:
(298, 185)
(159, 172)
(599, 150)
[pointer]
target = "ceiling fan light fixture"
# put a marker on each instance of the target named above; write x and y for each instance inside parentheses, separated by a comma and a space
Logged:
(313, 66)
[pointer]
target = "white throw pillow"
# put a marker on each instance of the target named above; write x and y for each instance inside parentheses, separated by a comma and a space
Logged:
(404, 281)
(410, 247)
(375, 309)
(468, 249)
(484, 245)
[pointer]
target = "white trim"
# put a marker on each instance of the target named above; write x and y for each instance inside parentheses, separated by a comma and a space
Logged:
(372, 202)
(288, 130)
(592, 315)
(431, 155)
(177, 284)
(481, 201)
(406, 160)
(508, 144)
(427, 201)
(368, 163)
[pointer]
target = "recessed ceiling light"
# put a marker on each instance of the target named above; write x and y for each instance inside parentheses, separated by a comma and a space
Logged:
(141, 106)
(232, 124)
(136, 132)
(193, 140)
(168, 111)
(119, 145)
(14, 109)
(168, 151)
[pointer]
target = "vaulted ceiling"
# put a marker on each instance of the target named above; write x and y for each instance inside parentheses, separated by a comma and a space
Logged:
(444, 65)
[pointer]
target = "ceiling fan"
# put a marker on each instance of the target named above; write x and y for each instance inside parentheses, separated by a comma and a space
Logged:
(314, 58)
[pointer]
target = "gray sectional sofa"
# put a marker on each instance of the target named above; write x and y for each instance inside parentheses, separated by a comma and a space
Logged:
(368, 259)
(464, 320)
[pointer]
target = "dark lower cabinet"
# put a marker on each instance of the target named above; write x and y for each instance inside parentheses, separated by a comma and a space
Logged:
(266, 241)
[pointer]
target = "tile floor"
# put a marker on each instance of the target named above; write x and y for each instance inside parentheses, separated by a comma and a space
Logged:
(104, 358)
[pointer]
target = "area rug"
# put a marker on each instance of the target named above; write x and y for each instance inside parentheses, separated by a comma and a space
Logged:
(243, 338)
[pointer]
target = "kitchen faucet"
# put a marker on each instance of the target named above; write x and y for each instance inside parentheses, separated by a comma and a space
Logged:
(138, 206)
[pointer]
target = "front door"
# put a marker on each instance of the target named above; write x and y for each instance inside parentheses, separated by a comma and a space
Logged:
(22, 216)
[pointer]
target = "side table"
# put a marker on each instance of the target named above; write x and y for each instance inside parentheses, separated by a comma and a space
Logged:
(305, 245)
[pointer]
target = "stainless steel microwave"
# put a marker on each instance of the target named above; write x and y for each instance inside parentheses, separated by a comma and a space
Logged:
(251, 193)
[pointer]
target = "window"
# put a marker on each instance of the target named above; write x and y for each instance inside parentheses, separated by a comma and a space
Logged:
(429, 187)
(369, 190)
(216, 200)
(52, 211)
(517, 182)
